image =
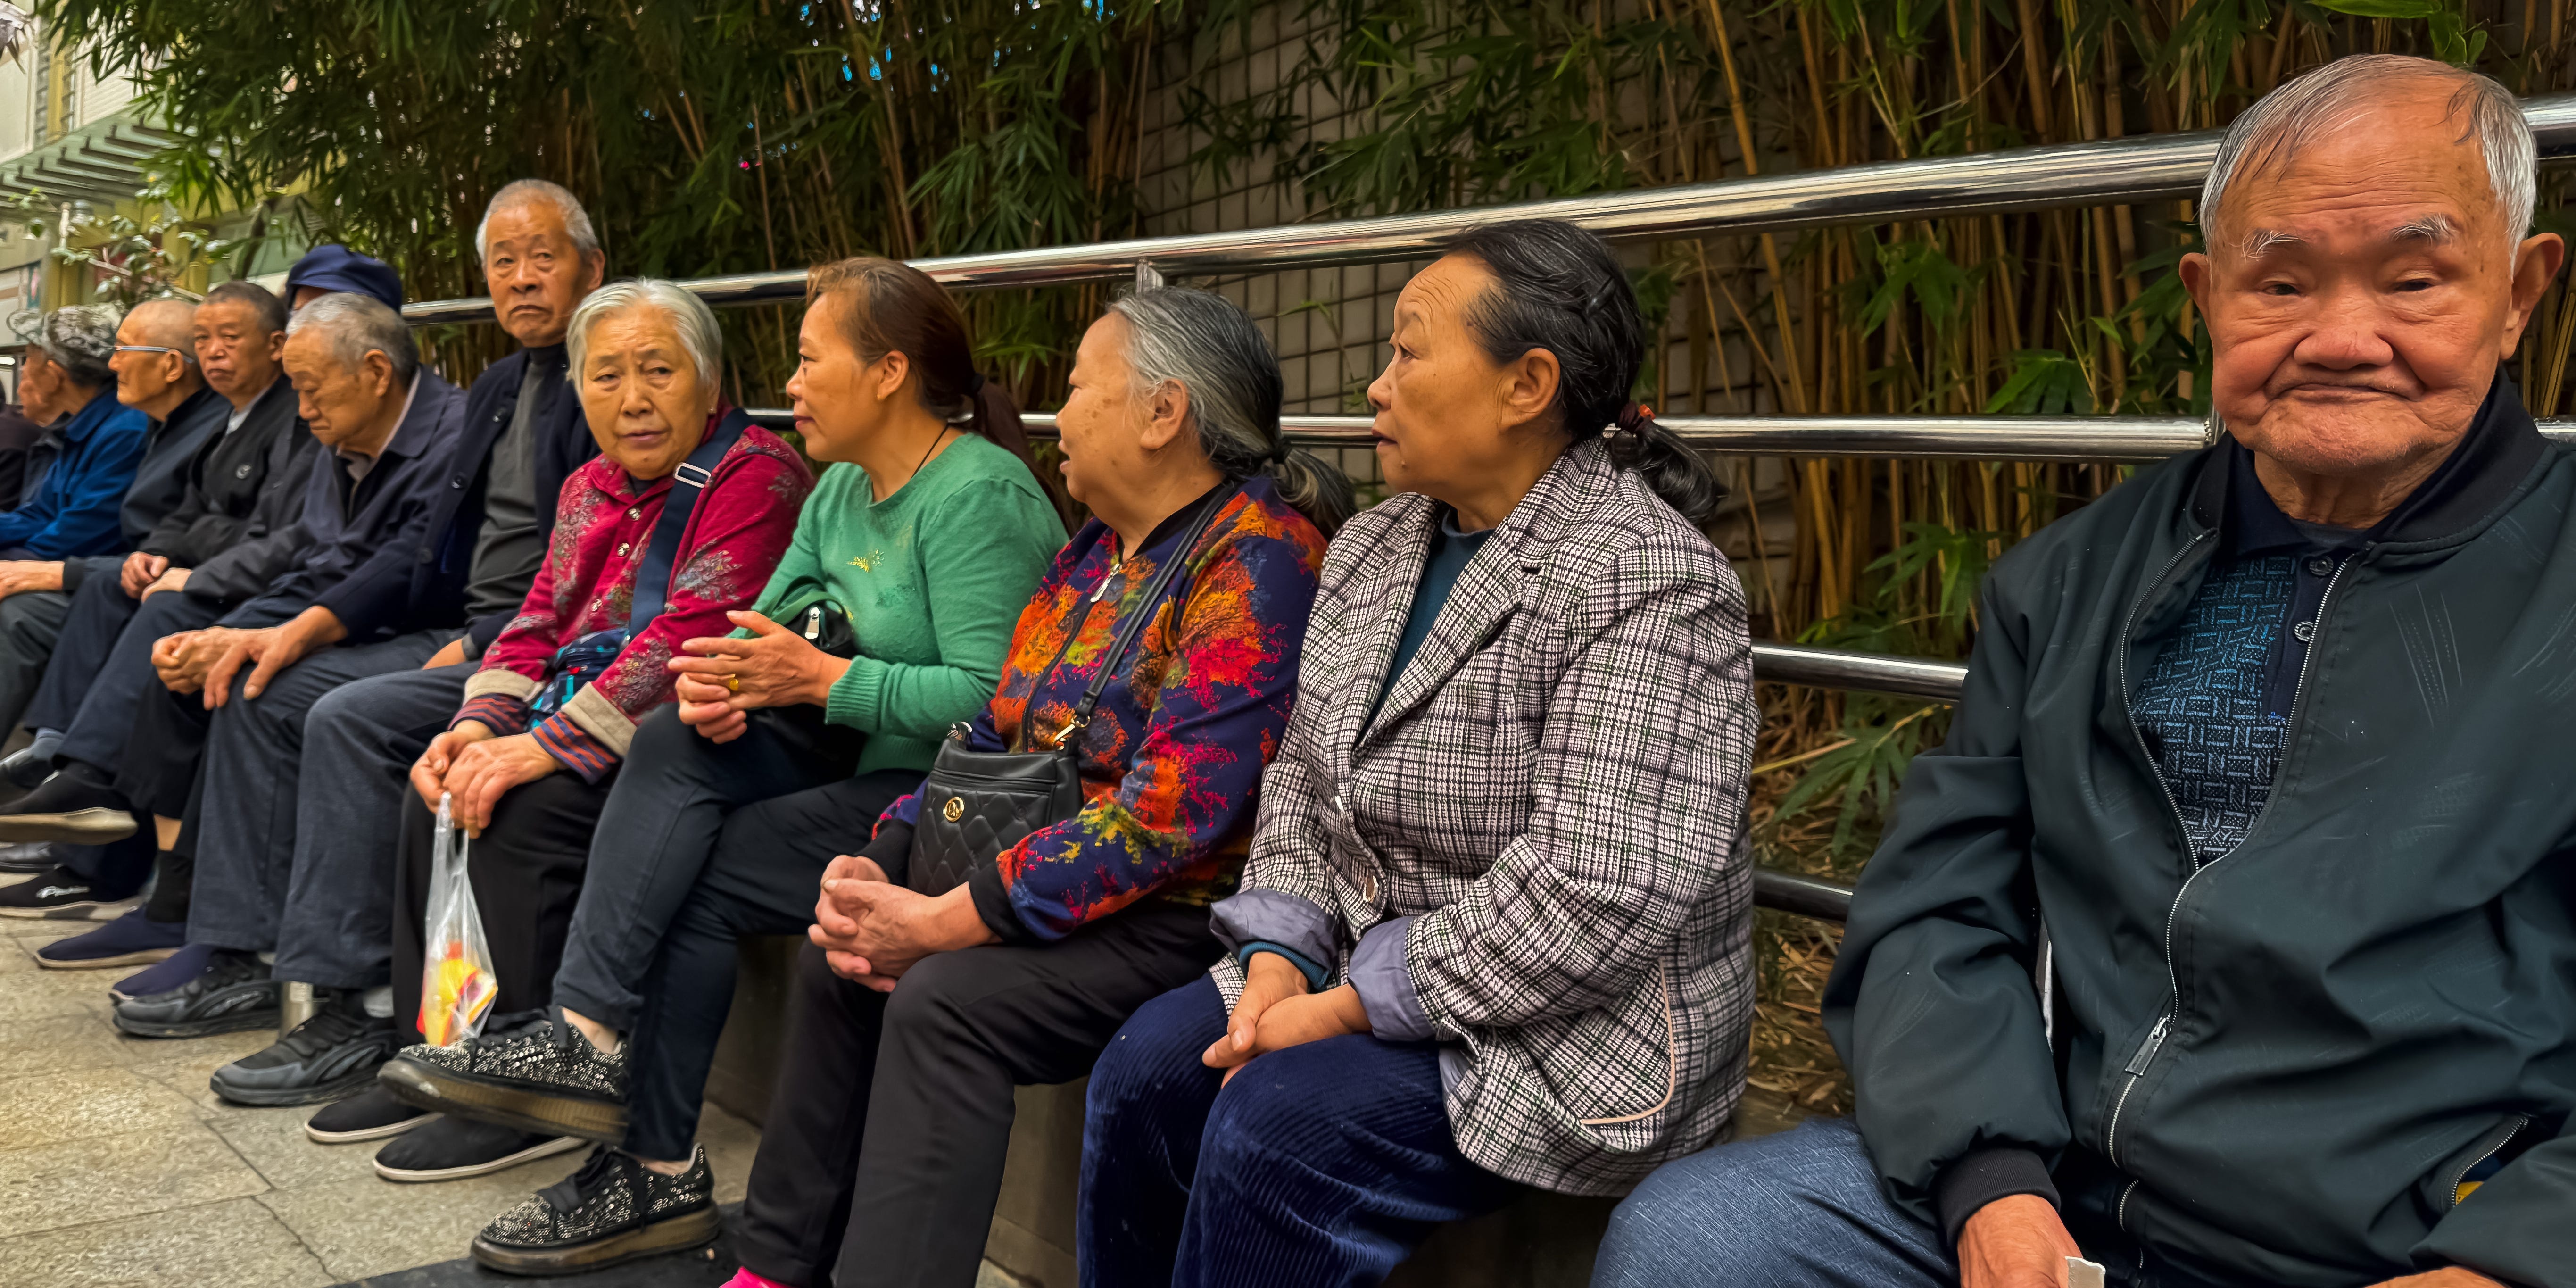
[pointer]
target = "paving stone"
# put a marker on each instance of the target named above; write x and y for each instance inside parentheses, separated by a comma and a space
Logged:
(273, 1142)
(54, 992)
(54, 1043)
(731, 1144)
(231, 1244)
(374, 1227)
(81, 1104)
(125, 1177)
(184, 1065)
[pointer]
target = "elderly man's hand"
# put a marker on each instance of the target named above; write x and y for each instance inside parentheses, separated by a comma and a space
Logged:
(2015, 1242)
(429, 773)
(270, 651)
(484, 772)
(140, 571)
(173, 579)
(18, 576)
(182, 660)
(2446, 1277)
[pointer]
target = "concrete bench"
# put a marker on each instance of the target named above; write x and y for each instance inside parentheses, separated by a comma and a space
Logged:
(1540, 1241)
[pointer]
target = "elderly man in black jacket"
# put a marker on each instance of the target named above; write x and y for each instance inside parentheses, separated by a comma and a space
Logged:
(297, 828)
(2230, 940)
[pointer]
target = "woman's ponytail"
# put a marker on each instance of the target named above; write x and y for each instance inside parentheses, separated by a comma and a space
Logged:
(1311, 484)
(1677, 474)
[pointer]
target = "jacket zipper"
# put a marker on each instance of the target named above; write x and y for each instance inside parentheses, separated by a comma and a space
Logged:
(2145, 1057)
(2120, 1215)
(2487, 1149)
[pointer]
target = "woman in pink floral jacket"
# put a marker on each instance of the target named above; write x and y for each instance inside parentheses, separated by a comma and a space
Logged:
(529, 760)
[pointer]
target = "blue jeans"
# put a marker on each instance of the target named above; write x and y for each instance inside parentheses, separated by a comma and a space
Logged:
(1801, 1209)
(1322, 1165)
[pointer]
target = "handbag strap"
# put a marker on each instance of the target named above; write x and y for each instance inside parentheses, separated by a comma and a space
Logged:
(688, 483)
(1128, 631)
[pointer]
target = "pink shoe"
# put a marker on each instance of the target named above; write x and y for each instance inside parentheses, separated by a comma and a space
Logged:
(744, 1278)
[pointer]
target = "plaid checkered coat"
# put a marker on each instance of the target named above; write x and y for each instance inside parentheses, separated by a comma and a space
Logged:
(1554, 791)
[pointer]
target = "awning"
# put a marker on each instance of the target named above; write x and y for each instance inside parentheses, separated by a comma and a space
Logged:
(102, 163)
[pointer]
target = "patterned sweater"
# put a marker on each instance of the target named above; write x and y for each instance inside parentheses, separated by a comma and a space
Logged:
(604, 523)
(1172, 762)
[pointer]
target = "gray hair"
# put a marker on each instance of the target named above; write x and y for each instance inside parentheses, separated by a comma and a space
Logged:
(521, 192)
(1205, 345)
(689, 315)
(359, 324)
(79, 339)
(2328, 98)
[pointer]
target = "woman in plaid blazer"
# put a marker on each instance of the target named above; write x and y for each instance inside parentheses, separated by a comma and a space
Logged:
(1494, 927)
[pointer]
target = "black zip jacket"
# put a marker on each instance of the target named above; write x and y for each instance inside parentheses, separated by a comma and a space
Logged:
(269, 542)
(426, 589)
(161, 478)
(227, 479)
(2274, 1070)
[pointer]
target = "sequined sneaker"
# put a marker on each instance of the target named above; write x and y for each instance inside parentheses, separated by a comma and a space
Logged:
(536, 1073)
(614, 1210)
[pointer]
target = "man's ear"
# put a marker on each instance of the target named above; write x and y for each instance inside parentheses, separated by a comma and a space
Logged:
(1167, 409)
(379, 372)
(2535, 264)
(1527, 385)
(2197, 273)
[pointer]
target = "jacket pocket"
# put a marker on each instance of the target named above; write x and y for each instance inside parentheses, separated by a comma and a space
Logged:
(2459, 1175)
(1615, 1070)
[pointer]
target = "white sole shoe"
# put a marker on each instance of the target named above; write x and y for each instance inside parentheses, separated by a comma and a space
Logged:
(363, 1134)
(543, 1149)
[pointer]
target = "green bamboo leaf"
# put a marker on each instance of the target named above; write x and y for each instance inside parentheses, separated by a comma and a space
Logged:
(2382, 8)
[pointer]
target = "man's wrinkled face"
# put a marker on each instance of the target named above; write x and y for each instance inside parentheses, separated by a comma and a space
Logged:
(2361, 296)
(337, 402)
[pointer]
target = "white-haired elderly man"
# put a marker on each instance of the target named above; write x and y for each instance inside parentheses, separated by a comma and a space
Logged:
(2270, 745)
(289, 800)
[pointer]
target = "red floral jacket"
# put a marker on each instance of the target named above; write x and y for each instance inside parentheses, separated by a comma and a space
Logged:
(603, 522)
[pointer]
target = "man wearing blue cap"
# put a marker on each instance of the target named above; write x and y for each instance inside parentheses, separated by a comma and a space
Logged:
(325, 269)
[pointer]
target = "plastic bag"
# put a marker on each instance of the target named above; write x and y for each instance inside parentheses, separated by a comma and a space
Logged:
(456, 984)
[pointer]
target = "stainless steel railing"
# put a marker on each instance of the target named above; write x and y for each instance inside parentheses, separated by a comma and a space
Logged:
(2106, 172)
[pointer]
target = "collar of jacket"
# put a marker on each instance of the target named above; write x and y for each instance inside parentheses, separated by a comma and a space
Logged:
(412, 436)
(92, 414)
(280, 391)
(195, 405)
(2495, 462)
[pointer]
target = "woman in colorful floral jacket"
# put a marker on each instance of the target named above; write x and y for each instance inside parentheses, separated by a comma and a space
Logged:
(530, 758)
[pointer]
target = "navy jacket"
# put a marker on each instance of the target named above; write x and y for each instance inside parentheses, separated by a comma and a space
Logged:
(72, 510)
(354, 533)
(230, 474)
(430, 588)
(169, 464)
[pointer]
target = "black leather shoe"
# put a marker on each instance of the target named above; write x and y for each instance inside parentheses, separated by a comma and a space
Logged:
(23, 769)
(324, 1058)
(448, 1148)
(33, 856)
(234, 994)
(372, 1114)
(75, 806)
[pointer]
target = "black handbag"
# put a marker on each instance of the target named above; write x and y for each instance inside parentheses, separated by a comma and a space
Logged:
(976, 804)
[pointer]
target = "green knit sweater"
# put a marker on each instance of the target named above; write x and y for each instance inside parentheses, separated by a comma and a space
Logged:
(933, 578)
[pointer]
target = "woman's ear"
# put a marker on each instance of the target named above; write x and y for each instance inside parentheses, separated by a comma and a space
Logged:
(892, 370)
(1527, 385)
(1167, 409)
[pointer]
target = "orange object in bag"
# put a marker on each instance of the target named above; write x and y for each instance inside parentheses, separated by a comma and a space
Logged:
(456, 984)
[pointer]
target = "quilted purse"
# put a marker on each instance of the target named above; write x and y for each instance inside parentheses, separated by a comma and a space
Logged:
(976, 804)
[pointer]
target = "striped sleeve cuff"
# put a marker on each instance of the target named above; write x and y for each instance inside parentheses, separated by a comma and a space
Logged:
(502, 715)
(574, 748)
(503, 681)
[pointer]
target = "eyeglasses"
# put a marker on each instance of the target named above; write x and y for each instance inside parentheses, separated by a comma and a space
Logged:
(181, 354)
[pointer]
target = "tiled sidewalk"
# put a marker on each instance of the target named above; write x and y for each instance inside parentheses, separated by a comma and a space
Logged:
(119, 1169)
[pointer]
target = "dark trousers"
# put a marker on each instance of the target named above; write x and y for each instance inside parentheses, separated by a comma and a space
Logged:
(660, 829)
(526, 869)
(1324, 1164)
(765, 877)
(102, 712)
(246, 832)
(883, 1151)
(36, 626)
(359, 746)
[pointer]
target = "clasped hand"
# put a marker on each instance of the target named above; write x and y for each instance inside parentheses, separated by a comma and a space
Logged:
(204, 662)
(476, 769)
(774, 667)
(1276, 1012)
(872, 931)
(141, 572)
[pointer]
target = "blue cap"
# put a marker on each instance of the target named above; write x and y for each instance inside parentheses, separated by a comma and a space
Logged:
(338, 268)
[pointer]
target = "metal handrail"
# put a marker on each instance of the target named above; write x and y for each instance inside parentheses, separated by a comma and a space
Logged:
(1802, 894)
(2098, 173)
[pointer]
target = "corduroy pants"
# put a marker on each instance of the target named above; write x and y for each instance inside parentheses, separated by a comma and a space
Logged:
(1322, 1165)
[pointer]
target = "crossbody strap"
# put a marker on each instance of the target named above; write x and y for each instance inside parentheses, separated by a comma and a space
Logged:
(1128, 631)
(688, 483)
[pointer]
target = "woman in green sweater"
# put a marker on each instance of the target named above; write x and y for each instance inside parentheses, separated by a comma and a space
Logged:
(885, 623)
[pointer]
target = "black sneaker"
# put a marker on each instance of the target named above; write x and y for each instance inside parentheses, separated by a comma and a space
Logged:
(326, 1057)
(30, 856)
(61, 895)
(372, 1114)
(234, 994)
(610, 1212)
(451, 1149)
(75, 806)
(537, 1074)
